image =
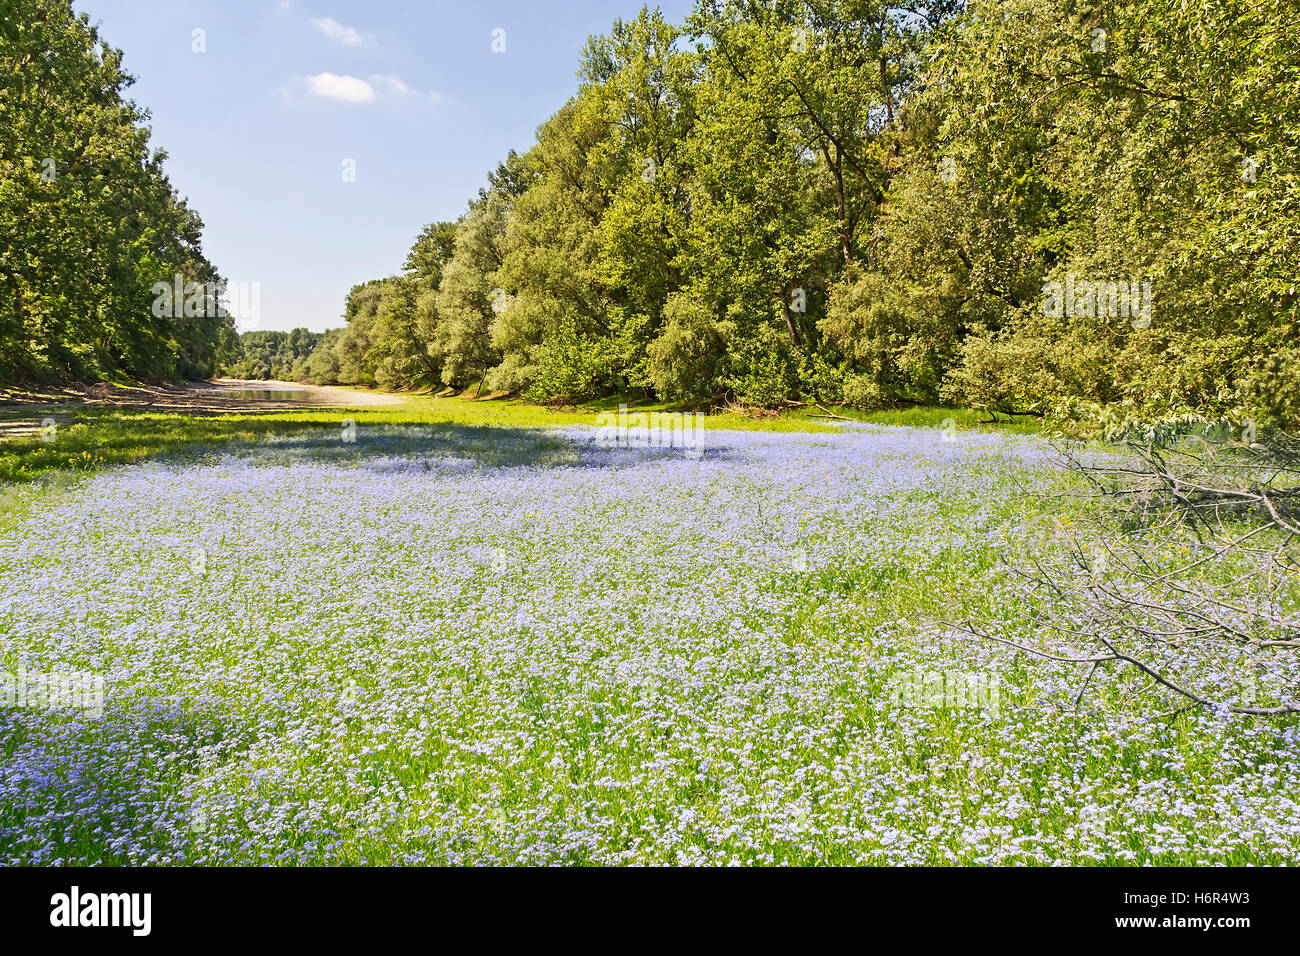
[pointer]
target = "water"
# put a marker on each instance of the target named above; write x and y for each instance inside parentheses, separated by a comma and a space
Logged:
(267, 394)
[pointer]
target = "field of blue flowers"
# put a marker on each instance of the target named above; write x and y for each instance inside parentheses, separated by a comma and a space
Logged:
(476, 645)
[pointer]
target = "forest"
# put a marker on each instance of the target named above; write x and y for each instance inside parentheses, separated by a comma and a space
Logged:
(1035, 207)
(89, 222)
(267, 354)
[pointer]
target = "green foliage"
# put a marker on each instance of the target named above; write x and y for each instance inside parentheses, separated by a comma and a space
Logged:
(837, 200)
(1150, 140)
(685, 358)
(1271, 392)
(270, 354)
(88, 219)
(899, 337)
(468, 293)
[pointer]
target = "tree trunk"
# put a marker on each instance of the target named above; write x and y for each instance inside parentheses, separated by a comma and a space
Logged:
(785, 310)
(841, 207)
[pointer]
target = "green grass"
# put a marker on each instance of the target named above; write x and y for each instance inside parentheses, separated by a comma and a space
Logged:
(90, 437)
(938, 416)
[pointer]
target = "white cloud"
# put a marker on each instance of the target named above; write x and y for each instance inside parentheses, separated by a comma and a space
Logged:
(353, 89)
(346, 89)
(337, 31)
(392, 83)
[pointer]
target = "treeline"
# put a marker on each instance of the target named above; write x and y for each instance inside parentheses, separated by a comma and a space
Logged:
(272, 355)
(1023, 205)
(89, 223)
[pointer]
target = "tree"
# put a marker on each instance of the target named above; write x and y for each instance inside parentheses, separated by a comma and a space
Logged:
(88, 221)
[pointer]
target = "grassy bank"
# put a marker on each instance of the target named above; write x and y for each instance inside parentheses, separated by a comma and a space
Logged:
(88, 437)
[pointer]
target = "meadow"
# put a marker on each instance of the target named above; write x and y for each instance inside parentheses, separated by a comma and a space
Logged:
(471, 633)
(94, 435)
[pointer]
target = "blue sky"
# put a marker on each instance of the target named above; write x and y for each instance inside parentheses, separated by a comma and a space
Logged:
(258, 125)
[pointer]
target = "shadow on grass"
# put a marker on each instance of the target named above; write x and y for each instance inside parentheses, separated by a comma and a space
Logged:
(91, 438)
(86, 790)
(454, 447)
(87, 438)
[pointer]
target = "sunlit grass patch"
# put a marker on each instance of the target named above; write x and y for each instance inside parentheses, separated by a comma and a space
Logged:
(90, 437)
